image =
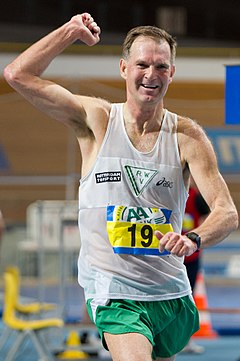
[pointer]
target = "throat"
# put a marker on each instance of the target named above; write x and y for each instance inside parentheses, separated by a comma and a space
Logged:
(150, 128)
(143, 141)
(143, 135)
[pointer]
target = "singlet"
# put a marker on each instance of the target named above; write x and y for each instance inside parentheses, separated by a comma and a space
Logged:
(126, 196)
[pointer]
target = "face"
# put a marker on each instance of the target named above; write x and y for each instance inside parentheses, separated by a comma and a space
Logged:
(148, 70)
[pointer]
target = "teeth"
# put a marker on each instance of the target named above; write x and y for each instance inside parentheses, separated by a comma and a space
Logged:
(150, 86)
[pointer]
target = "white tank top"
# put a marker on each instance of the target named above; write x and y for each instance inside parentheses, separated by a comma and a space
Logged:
(126, 196)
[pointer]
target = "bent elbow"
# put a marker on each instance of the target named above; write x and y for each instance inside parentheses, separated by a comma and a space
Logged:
(234, 220)
(11, 75)
(7, 73)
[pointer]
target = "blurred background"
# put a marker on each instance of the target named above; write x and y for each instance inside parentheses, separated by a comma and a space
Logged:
(214, 22)
(39, 158)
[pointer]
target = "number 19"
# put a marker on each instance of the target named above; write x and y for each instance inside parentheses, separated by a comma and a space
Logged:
(146, 234)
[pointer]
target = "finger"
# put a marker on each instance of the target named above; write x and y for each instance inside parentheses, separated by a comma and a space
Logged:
(158, 234)
(163, 239)
(94, 28)
(86, 16)
(92, 25)
(88, 21)
(183, 252)
(178, 249)
(165, 244)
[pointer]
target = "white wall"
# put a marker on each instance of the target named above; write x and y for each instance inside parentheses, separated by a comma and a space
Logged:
(210, 69)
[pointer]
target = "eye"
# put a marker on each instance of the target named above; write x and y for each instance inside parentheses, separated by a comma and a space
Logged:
(163, 66)
(141, 65)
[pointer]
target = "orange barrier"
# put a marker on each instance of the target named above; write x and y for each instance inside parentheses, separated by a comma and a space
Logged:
(200, 297)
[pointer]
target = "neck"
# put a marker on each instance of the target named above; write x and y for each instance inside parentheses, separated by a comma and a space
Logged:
(144, 119)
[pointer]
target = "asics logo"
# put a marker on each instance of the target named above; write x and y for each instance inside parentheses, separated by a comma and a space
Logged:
(165, 183)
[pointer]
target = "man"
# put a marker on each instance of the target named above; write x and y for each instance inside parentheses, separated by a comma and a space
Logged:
(136, 161)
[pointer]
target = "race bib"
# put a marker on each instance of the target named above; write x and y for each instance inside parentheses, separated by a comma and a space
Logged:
(131, 229)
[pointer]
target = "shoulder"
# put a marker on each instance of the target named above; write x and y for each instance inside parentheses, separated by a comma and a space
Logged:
(94, 104)
(188, 127)
(190, 132)
(192, 139)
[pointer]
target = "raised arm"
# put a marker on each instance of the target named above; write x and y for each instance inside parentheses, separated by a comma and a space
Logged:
(24, 73)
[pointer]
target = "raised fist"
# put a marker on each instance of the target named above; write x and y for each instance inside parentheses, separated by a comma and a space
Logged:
(88, 29)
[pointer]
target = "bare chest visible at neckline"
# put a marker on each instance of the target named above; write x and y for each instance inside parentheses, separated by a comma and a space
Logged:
(143, 143)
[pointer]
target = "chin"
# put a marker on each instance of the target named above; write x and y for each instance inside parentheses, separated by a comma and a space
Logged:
(150, 99)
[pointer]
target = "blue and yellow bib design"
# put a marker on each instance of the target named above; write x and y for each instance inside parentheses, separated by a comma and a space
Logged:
(131, 229)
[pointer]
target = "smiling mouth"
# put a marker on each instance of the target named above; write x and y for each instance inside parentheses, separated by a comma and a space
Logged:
(150, 86)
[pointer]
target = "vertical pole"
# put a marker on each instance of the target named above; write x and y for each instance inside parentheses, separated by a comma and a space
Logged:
(40, 257)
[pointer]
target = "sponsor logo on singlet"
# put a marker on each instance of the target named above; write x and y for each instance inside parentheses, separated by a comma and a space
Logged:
(139, 178)
(163, 182)
(112, 176)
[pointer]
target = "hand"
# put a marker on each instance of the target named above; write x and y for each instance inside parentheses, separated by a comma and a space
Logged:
(87, 28)
(175, 243)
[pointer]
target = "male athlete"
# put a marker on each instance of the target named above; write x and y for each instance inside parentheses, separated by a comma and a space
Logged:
(137, 158)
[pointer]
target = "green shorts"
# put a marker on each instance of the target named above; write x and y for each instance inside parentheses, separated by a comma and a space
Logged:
(168, 325)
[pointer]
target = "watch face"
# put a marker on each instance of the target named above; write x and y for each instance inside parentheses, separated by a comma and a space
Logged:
(195, 238)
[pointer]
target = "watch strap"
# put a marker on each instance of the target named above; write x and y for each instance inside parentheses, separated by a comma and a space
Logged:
(194, 238)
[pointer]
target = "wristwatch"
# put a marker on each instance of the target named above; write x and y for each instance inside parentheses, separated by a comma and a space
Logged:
(195, 238)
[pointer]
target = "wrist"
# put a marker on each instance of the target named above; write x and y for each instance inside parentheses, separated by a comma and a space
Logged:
(194, 237)
(71, 31)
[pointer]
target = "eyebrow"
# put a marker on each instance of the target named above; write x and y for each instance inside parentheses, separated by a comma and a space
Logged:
(144, 62)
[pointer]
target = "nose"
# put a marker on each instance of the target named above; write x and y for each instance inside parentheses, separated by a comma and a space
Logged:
(150, 72)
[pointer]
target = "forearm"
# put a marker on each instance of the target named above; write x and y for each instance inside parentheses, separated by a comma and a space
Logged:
(217, 226)
(33, 61)
(37, 57)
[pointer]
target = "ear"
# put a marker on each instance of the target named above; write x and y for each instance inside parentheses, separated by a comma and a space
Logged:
(123, 69)
(173, 70)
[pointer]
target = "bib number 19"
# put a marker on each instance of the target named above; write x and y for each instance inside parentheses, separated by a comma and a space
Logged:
(146, 235)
